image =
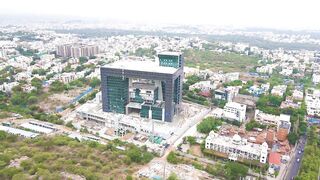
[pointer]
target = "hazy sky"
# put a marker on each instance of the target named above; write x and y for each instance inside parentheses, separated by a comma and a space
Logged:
(292, 14)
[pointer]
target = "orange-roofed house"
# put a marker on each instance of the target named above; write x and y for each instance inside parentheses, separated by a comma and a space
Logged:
(274, 159)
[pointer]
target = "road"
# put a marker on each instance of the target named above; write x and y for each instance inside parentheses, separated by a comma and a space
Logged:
(294, 165)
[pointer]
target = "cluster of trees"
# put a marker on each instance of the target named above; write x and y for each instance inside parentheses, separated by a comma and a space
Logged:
(311, 159)
(254, 124)
(40, 71)
(25, 103)
(190, 81)
(28, 52)
(190, 139)
(234, 170)
(58, 86)
(6, 74)
(49, 156)
(208, 124)
(219, 102)
(269, 104)
(148, 52)
(83, 60)
(194, 97)
(233, 83)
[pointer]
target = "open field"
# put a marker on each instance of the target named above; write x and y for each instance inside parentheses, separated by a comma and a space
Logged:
(49, 103)
(227, 62)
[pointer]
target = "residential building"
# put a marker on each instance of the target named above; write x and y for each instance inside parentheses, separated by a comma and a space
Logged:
(235, 111)
(312, 101)
(267, 69)
(290, 103)
(297, 95)
(203, 86)
(287, 71)
(265, 118)
(282, 121)
(279, 90)
(226, 94)
(316, 78)
(77, 50)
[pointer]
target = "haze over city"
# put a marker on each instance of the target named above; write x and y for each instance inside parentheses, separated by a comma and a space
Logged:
(294, 15)
(161, 89)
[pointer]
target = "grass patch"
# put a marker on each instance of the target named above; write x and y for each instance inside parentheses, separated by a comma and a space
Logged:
(227, 62)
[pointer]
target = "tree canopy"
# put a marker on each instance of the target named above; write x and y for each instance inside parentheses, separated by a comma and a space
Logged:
(208, 124)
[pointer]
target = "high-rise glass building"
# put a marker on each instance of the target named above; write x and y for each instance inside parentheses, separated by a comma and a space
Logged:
(144, 88)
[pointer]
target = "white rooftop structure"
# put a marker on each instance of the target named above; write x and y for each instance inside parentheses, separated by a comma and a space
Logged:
(282, 121)
(236, 147)
(145, 66)
(36, 128)
(235, 111)
(170, 53)
(19, 132)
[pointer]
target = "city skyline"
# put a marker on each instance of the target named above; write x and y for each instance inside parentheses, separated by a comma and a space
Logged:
(298, 15)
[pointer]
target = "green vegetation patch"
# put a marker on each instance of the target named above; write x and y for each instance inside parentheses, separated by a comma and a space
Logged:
(227, 62)
(49, 156)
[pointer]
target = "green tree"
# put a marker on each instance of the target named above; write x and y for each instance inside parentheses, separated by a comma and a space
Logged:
(292, 138)
(3, 135)
(83, 60)
(94, 82)
(56, 86)
(36, 82)
(235, 170)
(172, 158)
(191, 140)
(208, 124)
(173, 176)
(32, 100)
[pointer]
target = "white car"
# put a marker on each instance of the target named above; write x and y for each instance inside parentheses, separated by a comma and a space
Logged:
(298, 160)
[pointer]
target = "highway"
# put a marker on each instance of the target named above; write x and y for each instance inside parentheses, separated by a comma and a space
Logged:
(294, 165)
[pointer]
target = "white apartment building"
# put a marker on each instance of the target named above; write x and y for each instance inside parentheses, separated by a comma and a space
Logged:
(312, 101)
(297, 95)
(287, 71)
(282, 121)
(265, 118)
(232, 76)
(279, 90)
(67, 77)
(316, 78)
(235, 111)
(267, 69)
(237, 147)
(203, 86)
